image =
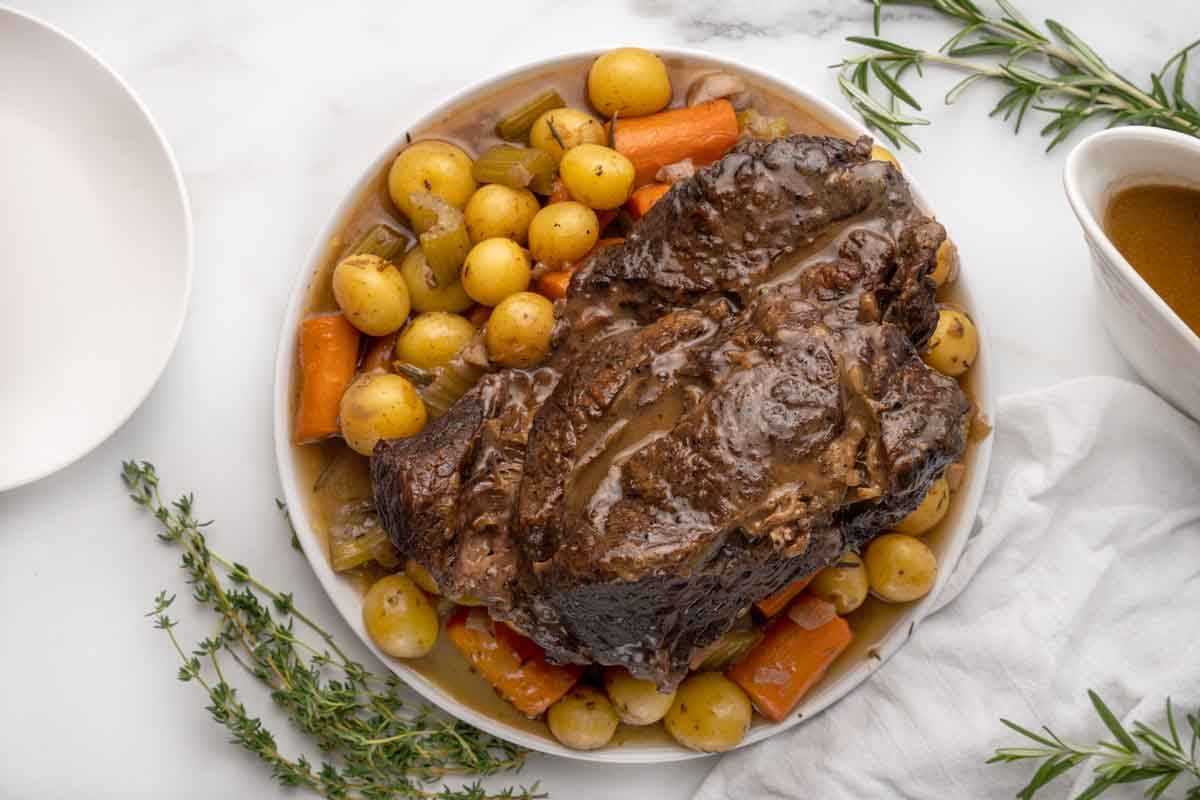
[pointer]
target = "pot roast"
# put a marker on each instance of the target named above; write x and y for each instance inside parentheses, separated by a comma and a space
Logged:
(734, 398)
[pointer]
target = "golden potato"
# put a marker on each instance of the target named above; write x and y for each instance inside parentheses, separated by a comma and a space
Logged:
(432, 339)
(563, 128)
(844, 584)
(954, 345)
(371, 293)
(498, 210)
(629, 81)
(900, 568)
(494, 269)
(399, 617)
(583, 719)
(638, 702)
(432, 166)
(519, 330)
(377, 406)
(423, 292)
(933, 507)
(421, 577)
(881, 153)
(946, 268)
(597, 176)
(711, 713)
(562, 233)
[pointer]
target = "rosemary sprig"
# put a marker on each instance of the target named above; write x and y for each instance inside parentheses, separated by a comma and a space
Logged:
(1051, 71)
(373, 745)
(1163, 761)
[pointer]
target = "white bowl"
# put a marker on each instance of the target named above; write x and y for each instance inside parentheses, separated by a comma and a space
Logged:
(871, 648)
(97, 250)
(1159, 346)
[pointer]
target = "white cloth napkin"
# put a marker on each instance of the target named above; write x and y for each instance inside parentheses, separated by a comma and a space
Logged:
(1084, 573)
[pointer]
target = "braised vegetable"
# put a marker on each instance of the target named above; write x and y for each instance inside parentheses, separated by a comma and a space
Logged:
(711, 713)
(399, 617)
(517, 168)
(559, 131)
(430, 166)
(328, 354)
(811, 612)
(380, 240)
(881, 153)
(379, 406)
(726, 651)
(432, 339)
(453, 381)
(716, 85)
(356, 538)
(563, 233)
(638, 702)
(553, 285)
(371, 293)
(495, 269)
(421, 577)
(760, 126)
(844, 584)
(644, 198)
(946, 268)
(790, 660)
(772, 605)
(702, 133)
(559, 194)
(933, 508)
(478, 314)
(584, 719)
(954, 345)
(379, 354)
(424, 293)
(446, 242)
(628, 82)
(515, 125)
(498, 210)
(515, 666)
(519, 330)
(597, 176)
(900, 568)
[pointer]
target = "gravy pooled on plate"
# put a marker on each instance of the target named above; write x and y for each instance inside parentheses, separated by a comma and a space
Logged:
(1157, 228)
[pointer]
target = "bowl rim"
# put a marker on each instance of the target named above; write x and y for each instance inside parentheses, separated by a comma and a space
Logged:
(334, 585)
(1077, 161)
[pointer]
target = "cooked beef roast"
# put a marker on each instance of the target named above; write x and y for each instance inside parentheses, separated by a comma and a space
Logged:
(734, 398)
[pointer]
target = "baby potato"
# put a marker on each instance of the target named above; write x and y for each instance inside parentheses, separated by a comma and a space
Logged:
(844, 584)
(629, 81)
(571, 127)
(954, 345)
(946, 268)
(933, 507)
(597, 176)
(379, 406)
(562, 233)
(711, 713)
(583, 719)
(399, 617)
(499, 210)
(371, 293)
(422, 291)
(900, 568)
(880, 153)
(421, 577)
(433, 338)
(430, 166)
(494, 269)
(519, 330)
(638, 702)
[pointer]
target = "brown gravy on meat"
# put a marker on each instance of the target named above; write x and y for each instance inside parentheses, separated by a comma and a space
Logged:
(469, 124)
(1157, 229)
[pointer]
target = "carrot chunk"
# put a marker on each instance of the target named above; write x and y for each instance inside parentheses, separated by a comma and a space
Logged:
(644, 198)
(777, 602)
(788, 662)
(702, 133)
(328, 356)
(554, 284)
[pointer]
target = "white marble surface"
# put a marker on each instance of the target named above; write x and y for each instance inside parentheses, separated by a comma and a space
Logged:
(272, 111)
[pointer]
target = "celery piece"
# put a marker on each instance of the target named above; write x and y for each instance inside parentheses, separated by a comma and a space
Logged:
(447, 242)
(762, 127)
(729, 649)
(515, 125)
(517, 167)
(380, 240)
(355, 537)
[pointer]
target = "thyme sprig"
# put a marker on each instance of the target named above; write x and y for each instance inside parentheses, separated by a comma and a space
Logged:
(373, 744)
(1138, 755)
(1051, 71)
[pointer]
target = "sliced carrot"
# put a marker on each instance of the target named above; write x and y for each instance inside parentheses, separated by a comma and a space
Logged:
(559, 194)
(702, 133)
(479, 314)
(553, 285)
(515, 665)
(778, 602)
(379, 353)
(643, 199)
(328, 356)
(788, 662)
